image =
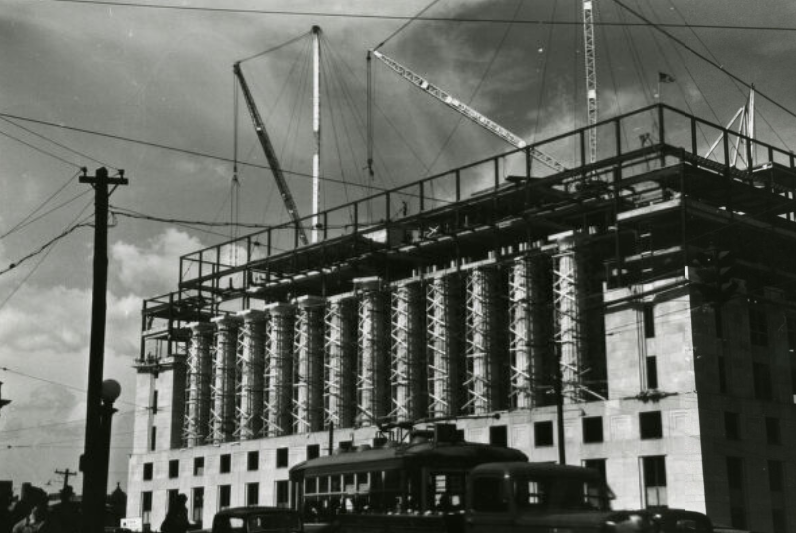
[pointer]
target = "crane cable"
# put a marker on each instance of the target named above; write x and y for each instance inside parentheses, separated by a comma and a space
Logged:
(705, 58)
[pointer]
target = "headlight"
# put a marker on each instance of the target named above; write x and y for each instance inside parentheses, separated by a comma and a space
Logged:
(627, 522)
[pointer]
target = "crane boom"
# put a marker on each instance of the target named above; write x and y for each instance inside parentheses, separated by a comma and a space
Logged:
(270, 154)
(591, 77)
(467, 111)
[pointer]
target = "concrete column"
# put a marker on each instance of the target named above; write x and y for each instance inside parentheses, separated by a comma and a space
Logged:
(279, 360)
(310, 347)
(223, 421)
(373, 380)
(569, 302)
(486, 348)
(341, 354)
(530, 327)
(252, 350)
(199, 368)
(444, 314)
(409, 381)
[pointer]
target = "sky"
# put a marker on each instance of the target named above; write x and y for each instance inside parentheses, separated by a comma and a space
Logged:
(164, 77)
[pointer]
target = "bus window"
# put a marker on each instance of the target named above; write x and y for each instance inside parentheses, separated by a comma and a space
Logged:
(323, 484)
(311, 485)
(489, 495)
(335, 483)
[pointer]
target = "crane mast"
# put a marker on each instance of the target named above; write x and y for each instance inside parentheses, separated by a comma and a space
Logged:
(470, 113)
(270, 154)
(591, 77)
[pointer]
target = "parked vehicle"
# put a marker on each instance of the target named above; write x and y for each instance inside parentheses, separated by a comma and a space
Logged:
(256, 520)
(438, 483)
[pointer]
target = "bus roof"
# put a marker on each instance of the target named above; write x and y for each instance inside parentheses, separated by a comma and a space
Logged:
(440, 454)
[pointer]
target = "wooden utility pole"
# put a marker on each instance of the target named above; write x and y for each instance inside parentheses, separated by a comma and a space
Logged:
(91, 462)
(66, 474)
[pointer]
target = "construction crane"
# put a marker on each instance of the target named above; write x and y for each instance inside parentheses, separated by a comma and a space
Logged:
(270, 155)
(591, 77)
(467, 111)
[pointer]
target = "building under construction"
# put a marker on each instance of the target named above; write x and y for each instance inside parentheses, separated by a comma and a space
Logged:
(651, 291)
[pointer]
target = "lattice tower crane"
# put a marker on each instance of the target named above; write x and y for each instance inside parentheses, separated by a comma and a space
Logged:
(591, 76)
(470, 113)
(270, 155)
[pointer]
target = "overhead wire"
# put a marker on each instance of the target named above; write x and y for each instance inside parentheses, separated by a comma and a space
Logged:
(39, 149)
(407, 23)
(43, 247)
(275, 48)
(27, 220)
(478, 86)
(412, 18)
(705, 58)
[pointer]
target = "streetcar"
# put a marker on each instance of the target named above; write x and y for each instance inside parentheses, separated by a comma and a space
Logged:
(435, 482)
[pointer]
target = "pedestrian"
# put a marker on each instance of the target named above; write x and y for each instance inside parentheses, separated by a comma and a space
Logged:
(38, 521)
(176, 520)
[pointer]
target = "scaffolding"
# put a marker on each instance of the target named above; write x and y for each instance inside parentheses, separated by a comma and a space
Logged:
(373, 387)
(445, 331)
(308, 406)
(567, 310)
(339, 387)
(223, 388)
(529, 328)
(408, 369)
(197, 405)
(484, 350)
(251, 365)
(279, 360)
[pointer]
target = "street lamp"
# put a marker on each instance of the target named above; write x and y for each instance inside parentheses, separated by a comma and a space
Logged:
(109, 393)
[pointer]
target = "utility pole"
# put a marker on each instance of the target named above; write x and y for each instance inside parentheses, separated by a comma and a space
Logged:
(66, 474)
(91, 462)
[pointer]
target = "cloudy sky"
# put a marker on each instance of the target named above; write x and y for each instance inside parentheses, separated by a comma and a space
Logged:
(83, 76)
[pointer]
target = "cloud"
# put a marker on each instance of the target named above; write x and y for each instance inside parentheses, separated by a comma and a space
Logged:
(151, 269)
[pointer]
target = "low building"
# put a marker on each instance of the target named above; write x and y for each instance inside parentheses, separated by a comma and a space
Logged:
(651, 290)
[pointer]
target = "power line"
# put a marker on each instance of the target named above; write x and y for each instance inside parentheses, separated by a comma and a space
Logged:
(703, 57)
(27, 220)
(413, 18)
(407, 23)
(44, 247)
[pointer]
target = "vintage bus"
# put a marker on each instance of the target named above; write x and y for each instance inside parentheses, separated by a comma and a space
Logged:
(437, 482)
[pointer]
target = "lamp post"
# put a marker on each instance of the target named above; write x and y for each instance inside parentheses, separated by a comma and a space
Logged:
(110, 392)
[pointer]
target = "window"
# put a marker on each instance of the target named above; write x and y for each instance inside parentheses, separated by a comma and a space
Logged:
(153, 438)
(253, 461)
(543, 433)
(758, 326)
(498, 436)
(225, 463)
(197, 504)
(224, 496)
(146, 507)
(281, 457)
(171, 497)
(594, 491)
(793, 382)
(174, 468)
(778, 520)
(654, 472)
(649, 320)
(761, 377)
(722, 375)
(775, 482)
(147, 471)
(154, 401)
(652, 372)
(313, 451)
(790, 325)
(651, 425)
(736, 488)
(252, 493)
(282, 493)
(773, 435)
(198, 466)
(592, 429)
(489, 495)
(732, 426)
